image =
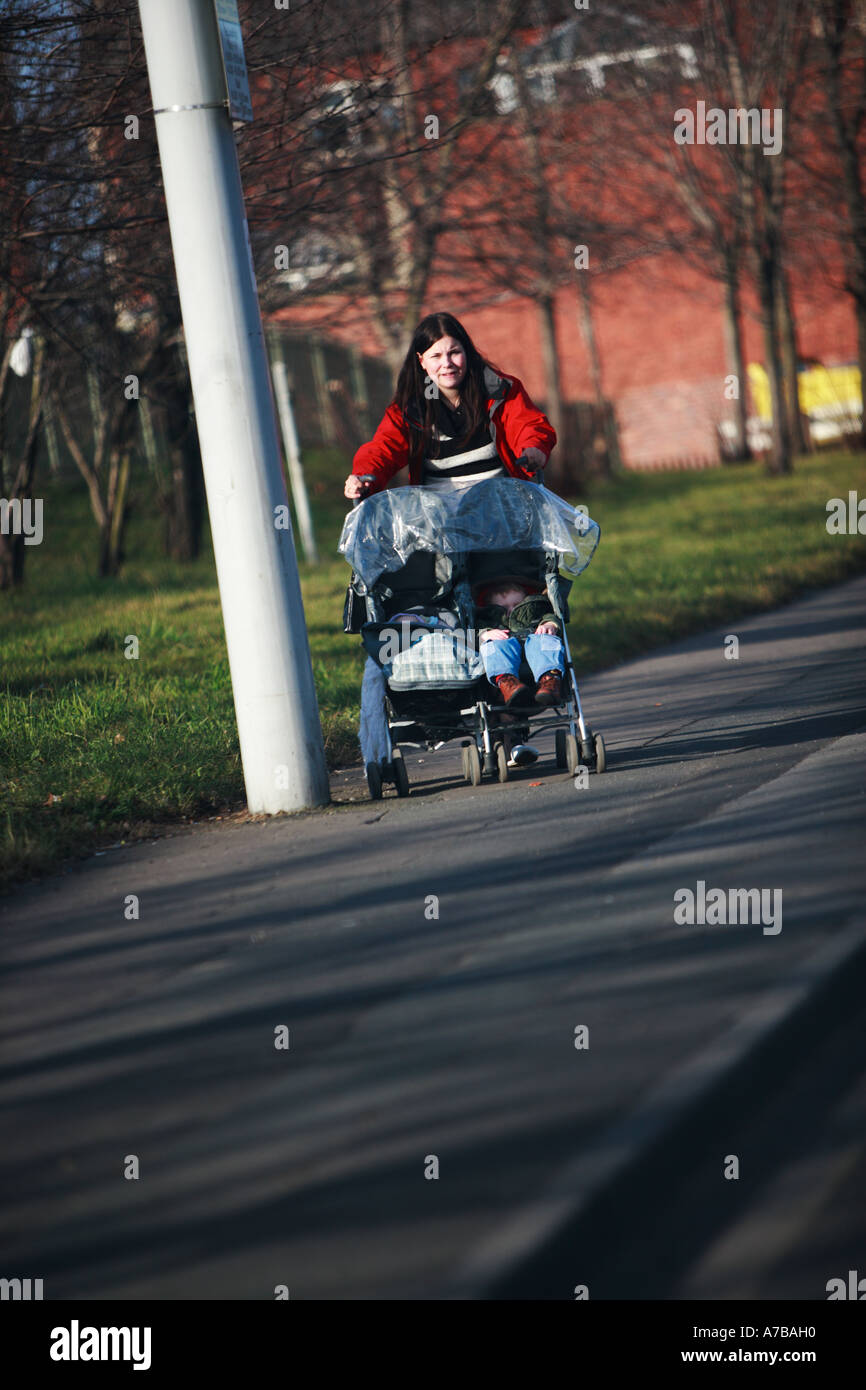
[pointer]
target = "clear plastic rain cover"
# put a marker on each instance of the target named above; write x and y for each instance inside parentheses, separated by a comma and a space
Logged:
(500, 514)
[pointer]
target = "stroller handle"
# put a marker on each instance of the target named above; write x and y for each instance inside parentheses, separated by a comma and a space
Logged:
(365, 478)
(537, 470)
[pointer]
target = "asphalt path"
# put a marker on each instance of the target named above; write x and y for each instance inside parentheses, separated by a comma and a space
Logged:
(422, 1029)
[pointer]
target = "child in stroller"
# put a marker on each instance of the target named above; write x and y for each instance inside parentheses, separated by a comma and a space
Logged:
(515, 625)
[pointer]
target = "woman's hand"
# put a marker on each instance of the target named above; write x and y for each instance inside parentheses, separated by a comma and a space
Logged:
(535, 457)
(355, 486)
(546, 630)
(493, 634)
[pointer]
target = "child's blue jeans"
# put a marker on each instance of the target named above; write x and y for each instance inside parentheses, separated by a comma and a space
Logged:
(543, 653)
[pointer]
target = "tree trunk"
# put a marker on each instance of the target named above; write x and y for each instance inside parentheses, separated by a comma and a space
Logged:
(185, 509)
(13, 550)
(860, 305)
(11, 561)
(12, 547)
(171, 447)
(779, 462)
(858, 291)
(323, 395)
(185, 514)
(550, 359)
(786, 330)
(109, 510)
(395, 353)
(762, 188)
(612, 462)
(359, 391)
(838, 23)
(736, 359)
(178, 515)
(111, 532)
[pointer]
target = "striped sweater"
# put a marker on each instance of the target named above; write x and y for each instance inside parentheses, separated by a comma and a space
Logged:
(452, 464)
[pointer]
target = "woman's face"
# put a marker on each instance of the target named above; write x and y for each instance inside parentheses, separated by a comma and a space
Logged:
(445, 363)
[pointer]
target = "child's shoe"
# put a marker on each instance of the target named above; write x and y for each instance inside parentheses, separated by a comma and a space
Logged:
(513, 691)
(549, 691)
(523, 755)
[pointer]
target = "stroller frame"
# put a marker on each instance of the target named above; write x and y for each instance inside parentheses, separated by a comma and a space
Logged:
(488, 723)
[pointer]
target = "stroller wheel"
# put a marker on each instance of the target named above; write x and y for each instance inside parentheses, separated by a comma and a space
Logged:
(501, 762)
(561, 753)
(398, 770)
(472, 765)
(600, 753)
(374, 781)
(572, 755)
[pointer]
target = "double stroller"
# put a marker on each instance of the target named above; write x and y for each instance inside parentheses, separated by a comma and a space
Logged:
(416, 556)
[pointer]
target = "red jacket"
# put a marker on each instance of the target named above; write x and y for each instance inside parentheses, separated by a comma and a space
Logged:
(516, 424)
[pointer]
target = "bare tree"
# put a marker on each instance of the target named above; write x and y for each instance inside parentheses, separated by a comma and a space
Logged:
(843, 34)
(761, 58)
(539, 231)
(682, 199)
(31, 139)
(378, 154)
(85, 258)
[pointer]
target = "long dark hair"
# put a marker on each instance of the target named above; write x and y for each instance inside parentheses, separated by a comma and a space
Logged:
(417, 408)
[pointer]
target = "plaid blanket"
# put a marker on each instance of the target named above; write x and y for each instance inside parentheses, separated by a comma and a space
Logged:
(438, 659)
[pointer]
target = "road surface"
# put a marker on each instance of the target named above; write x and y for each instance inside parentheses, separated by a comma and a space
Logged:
(431, 959)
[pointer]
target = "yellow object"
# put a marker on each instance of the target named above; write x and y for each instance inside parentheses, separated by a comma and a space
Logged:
(825, 392)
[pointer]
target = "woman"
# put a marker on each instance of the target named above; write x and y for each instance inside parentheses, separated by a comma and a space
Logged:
(454, 420)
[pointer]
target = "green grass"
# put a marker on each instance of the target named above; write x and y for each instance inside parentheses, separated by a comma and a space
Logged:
(95, 748)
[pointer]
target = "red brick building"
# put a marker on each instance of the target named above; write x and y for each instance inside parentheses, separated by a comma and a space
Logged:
(658, 323)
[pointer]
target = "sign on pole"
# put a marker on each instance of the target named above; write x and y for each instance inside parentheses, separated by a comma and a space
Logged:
(234, 62)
